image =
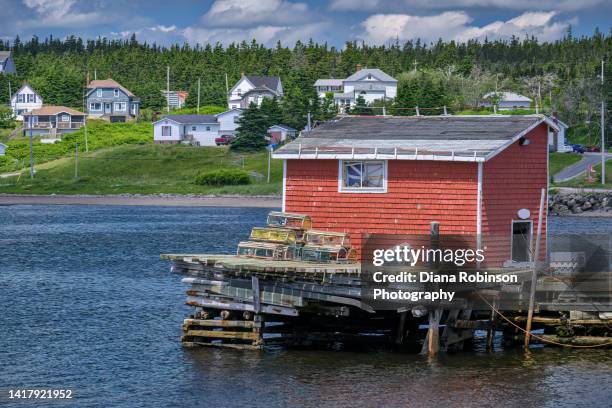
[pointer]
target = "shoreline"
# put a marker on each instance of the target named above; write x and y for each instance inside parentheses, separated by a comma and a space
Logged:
(169, 200)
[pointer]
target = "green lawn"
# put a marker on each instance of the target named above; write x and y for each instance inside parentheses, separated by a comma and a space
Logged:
(559, 161)
(146, 169)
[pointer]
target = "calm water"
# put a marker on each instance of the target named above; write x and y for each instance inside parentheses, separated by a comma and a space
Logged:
(86, 304)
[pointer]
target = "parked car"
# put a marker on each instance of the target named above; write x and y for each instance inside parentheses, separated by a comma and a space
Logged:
(224, 140)
(578, 148)
(593, 149)
(566, 148)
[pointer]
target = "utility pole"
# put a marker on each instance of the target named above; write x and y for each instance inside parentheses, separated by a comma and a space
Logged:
(95, 74)
(309, 125)
(269, 161)
(31, 152)
(85, 110)
(415, 63)
(603, 128)
(226, 84)
(76, 161)
(168, 88)
(198, 111)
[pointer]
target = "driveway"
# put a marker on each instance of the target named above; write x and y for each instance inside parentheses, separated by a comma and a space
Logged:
(576, 169)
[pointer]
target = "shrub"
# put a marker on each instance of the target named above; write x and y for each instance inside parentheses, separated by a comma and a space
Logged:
(223, 177)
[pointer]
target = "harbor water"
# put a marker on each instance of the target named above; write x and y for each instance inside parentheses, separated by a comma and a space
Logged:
(87, 305)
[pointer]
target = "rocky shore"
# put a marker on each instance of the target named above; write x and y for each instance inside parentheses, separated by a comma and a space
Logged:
(599, 204)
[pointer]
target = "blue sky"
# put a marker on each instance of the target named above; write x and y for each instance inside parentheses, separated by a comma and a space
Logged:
(332, 21)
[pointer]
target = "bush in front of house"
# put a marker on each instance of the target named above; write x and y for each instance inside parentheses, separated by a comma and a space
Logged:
(223, 177)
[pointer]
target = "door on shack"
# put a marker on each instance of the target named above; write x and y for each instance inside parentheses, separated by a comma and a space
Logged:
(521, 241)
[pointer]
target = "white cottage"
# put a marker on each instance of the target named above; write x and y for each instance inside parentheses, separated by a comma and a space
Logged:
(506, 100)
(254, 89)
(25, 100)
(371, 83)
(199, 130)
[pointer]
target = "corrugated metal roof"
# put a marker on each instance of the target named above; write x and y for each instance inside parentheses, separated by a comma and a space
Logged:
(447, 137)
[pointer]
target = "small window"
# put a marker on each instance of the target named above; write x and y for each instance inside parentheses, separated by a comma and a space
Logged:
(363, 176)
(120, 106)
(193, 128)
(20, 98)
(99, 93)
(31, 98)
(208, 128)
(166, 130)
(64, 118)
(116, 93)
(369, 76)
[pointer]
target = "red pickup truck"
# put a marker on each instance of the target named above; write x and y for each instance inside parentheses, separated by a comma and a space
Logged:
(224, 140)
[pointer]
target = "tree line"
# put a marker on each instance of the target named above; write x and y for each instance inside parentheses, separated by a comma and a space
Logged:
(560, 75)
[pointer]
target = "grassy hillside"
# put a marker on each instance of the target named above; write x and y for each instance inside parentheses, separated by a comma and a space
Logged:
(146, 169)
(100, 135)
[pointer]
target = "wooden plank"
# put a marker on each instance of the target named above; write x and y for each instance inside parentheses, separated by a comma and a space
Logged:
(221, 345)
(218, 304)
(256, 294)
(221, 323)
(222, 334)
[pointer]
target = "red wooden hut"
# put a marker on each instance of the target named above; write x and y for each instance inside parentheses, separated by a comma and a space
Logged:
(476, 175)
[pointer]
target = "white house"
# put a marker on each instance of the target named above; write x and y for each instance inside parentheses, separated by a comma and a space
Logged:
(254, 89)
(25, 100)
(507, 100)
(371, 83)
(2, 149)
(7, 65)
(557, 140)
(228, 121)
(198, 130)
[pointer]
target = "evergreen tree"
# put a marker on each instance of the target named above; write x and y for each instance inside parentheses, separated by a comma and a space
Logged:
(361, 107)
(252, 130)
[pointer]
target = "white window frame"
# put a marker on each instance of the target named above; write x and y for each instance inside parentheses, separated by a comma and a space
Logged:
(530, 239)
(376, 190)
(92, 106)
(116, 93)
(120, 106)
(169, 133)
(99, 93)
(194, 128)
(21, 98)
(208, 128)
(31, 98)
(64, 118)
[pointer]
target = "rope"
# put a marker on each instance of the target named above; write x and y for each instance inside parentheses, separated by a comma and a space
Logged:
(538, 337)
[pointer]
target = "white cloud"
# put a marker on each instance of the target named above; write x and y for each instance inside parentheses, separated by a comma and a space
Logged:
(251, 13)
(455, 25)
(163, 28)
(59, 13)
(266, 34)
(412, 5)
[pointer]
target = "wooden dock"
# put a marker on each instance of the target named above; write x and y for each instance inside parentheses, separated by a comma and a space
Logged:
(246, 303)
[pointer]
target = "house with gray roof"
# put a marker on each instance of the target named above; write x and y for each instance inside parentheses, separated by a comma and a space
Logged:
(7, 65)
(197, 130)
(108, 99)
(253, 89)
(371, 83)
(506, 100)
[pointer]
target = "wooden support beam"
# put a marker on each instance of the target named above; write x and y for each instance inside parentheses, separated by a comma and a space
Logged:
(220, 323)
(222, 334)
(431, 346)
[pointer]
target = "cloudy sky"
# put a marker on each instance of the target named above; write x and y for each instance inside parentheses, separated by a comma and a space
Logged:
(333, 21)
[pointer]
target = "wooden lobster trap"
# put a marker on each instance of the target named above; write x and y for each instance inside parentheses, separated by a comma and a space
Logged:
(328, 254)
(281, 235)
(288, 220)
(268, 250)
(327, 239)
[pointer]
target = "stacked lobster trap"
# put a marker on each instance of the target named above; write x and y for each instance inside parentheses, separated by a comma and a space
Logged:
(289, 237)
(282, 270)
